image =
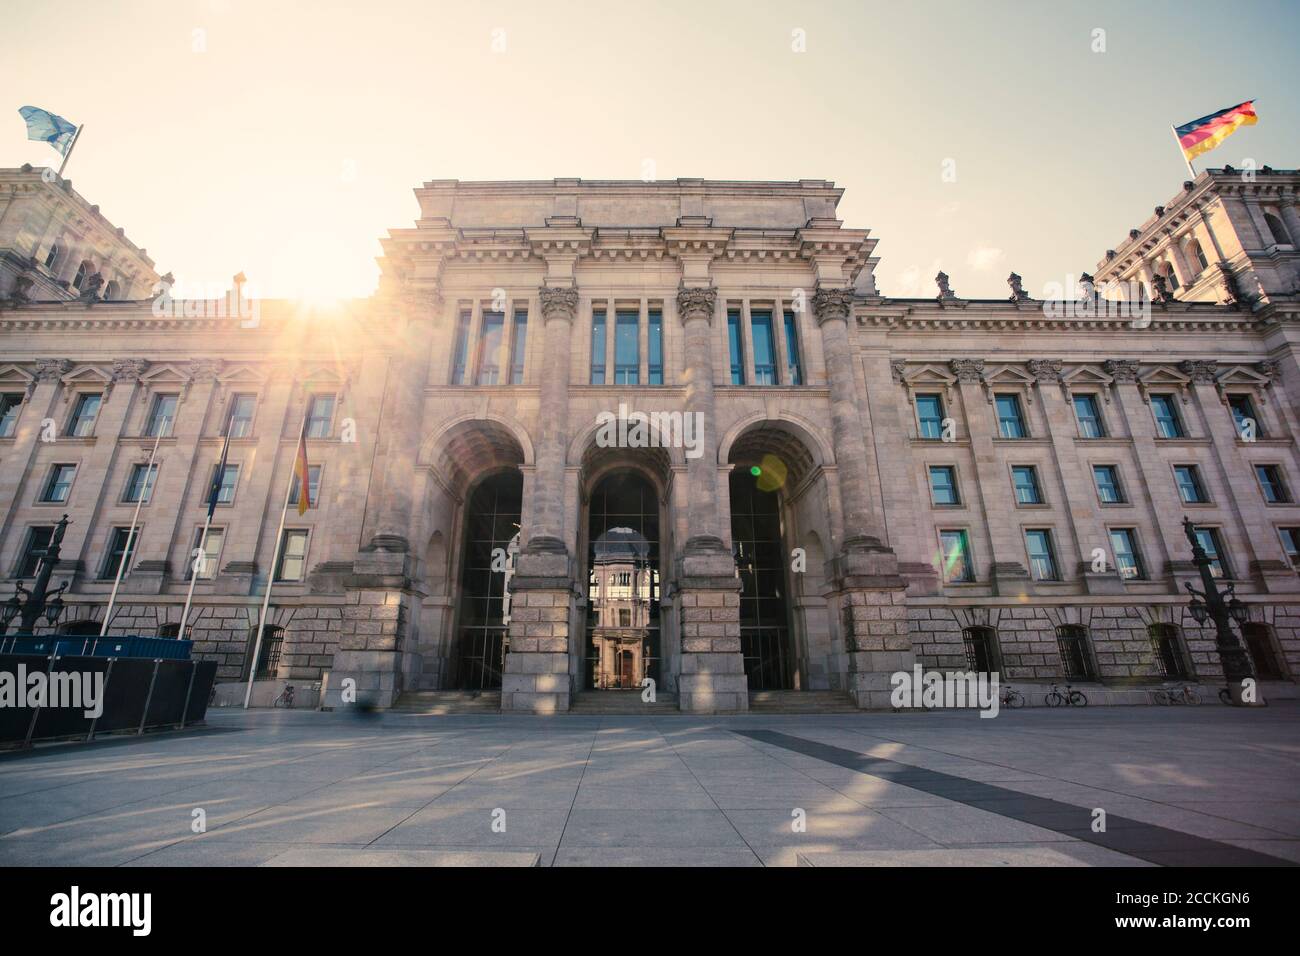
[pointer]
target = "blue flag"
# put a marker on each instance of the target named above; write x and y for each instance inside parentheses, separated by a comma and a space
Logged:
(47, 126)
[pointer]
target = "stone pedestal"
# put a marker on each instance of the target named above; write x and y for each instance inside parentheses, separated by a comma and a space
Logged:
(536, 678)
(375, 621)
(712, 678)
(873, 616)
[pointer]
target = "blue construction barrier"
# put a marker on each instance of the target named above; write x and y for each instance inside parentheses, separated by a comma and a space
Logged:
(132, 645)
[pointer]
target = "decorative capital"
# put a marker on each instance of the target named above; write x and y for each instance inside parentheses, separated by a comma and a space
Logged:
(1200, 372)
(832, 304)
(897, 368)
(129, 369)
(968, 369)
(1269, 369)
(560, 302)
(204, 370)
(1121, 370)
(1045, 370)
(51, 369)
(696, 303)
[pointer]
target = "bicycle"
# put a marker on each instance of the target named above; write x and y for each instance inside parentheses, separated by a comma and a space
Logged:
(1010, 697)
(1184, 694)
(1069, 698)
(286, 697)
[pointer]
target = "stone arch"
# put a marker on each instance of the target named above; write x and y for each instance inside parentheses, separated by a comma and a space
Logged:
(585, 440)
(806, 449)
(468, 447)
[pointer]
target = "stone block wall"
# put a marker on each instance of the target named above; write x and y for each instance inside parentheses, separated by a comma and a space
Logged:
(712, 679)
(536, 677)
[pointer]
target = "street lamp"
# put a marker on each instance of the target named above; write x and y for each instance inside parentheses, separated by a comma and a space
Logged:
(39, 600)
(1210, 605)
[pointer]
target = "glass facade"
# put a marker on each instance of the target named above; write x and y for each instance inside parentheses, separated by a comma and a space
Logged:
(760, 324)
(598, 347)
(627, 349)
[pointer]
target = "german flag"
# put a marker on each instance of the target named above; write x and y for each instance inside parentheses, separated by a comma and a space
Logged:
(302, 473)
(1202, 135)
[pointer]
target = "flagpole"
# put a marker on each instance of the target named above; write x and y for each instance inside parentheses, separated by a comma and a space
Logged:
(1174, 129)
(130, 535)
(275, 560)
(207, 523)
(68, 155)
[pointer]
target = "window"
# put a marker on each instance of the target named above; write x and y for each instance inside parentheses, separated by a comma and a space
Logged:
(981, 649)
(1198, 255)
(313, 488)
(1042, 556)
(320, 416)
(518, 344)
(1243, 415)
(598, 348)
(226, 481)
(162, 415)
(1011, 424)
(955, 553)
(1190, 488)
(38, 539)
(11, 404)
(84, 272)
(656, 345)
(1271, 483)
(735, 348)
(489, 348)
(460, 348)
(1208, 539)
(241, 415)
(268, 652)
(119, 554)
(140, 483)
(1171, 277)
(794, 372)
(84, 413)
(1263, 650)
(1024, 479)
(1123, 542)
(1089, 416)
(52, 256)
(1168, 424)
(1277, 229)
(943, 485)
(929, 417)
(207, 560)
(1072, 642)
(1166, 647)
(1109, 490)
(760, 329)
(627, 350)
(293, 556)
(1291, 545)
(58, 484)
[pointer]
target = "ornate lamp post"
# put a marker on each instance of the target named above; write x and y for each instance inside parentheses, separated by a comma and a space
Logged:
(1210, 604)
(39, 600)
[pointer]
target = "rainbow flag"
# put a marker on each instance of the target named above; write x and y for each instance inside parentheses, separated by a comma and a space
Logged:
(302, 473)
(1202, 135)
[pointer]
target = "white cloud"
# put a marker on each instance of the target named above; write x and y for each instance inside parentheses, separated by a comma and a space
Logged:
(982, 258)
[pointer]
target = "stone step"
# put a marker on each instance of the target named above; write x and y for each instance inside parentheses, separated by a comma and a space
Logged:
(620, 702)
(448, 702)
(801, 702)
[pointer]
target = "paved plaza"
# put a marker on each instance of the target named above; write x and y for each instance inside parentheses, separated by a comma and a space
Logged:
(1178, 785)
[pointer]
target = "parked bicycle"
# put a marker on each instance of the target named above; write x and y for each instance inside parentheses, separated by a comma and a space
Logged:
(1010, 697)
(1065, 698)
(1183, 694)
(286, 697)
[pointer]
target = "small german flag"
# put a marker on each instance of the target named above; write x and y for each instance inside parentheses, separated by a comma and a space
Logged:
(1202, 135)
(302, 473)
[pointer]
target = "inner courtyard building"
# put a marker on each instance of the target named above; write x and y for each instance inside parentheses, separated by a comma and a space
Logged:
(811, 486)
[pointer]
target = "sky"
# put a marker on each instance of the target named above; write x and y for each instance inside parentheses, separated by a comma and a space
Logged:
(283, 139)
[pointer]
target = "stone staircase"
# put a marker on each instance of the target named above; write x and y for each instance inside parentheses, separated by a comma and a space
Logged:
(448, 702)
(801, 702)
(621, 702)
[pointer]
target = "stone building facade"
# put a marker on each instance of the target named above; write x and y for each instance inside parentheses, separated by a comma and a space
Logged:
(810, 485)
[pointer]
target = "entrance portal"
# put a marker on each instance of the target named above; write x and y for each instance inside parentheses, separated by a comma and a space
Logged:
(491, 522)
(622, 583)
(760, 560)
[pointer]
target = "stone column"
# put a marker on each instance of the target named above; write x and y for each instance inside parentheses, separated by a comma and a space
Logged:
(536, 676)
(873, 602)
(712, 667)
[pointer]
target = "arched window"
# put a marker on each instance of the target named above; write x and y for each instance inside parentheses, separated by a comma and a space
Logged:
(981, 644)
(84, 272)
(80, 628)
(169, 630)
(52, 256)
(112, 290)
(1260, 641)
(1076, 659)
(1197, 255)
(1278, 230)
(1171, 277)
(268, 658)
(1167, 649)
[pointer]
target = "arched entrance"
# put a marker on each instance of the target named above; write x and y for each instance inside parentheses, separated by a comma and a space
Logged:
(765, 640)
(622, 633)
(492, 516)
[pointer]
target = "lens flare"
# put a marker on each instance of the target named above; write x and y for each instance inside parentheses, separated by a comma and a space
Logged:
(771, 472)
